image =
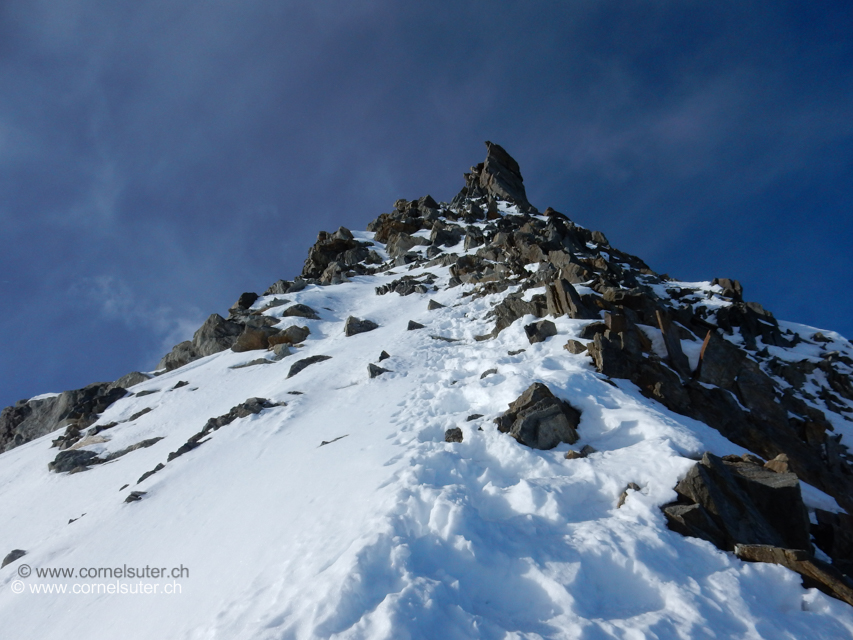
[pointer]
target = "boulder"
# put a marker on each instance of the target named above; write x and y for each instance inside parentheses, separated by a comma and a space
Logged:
(453, 435)
(374, 371)
(354, 325)
(740, 503)
(412, 326)
(574, 346)
(13, 555)
(253, 338)
(299, 365)
(245, 301)
(300, 311)
(540, 331)
(290, 335)
(215, 335)
(540, 420)
(68, 460)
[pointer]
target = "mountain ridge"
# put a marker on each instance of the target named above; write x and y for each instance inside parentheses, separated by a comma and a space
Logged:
(499, 276)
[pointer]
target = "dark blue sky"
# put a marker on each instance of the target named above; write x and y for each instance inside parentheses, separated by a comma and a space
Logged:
(159, 158)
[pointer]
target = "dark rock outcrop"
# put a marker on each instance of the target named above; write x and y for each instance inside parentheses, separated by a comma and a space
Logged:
(299, 365)
(540, 331)
(540, 420)
(13, 555)
(735, 501)
(453, 434)
(354, 326)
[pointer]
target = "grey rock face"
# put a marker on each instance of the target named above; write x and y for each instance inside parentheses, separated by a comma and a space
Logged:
(354, 326)
(540, 420)
(130, 379)
(31, 419)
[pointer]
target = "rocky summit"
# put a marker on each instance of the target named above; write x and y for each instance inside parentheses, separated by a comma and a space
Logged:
(559, 442)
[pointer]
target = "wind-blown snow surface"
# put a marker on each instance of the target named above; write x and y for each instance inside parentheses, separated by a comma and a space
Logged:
(389, 532)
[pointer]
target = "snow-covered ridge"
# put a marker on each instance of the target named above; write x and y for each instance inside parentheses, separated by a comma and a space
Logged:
(341, 511)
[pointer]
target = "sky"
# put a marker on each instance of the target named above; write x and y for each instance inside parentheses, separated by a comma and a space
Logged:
(157, 159)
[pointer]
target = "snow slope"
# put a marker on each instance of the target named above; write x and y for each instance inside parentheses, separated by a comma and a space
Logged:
(389, 532)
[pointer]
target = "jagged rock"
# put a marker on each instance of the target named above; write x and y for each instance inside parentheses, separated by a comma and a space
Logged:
(299, 365)
(215, 335)
(573, 346)
(487, 373)
(414, 325)
(401, 243)
(68, 460)
(453, 435)
(290, 335)
(160, 466)
(672, 342)
(433, 305)
(135, 496)
(591, 330)
(562, 299)
(616, 355)
(540, 420)
(719, 361)
(339, 247)
(13, 555)
(446, 235)
(300, 311)
(746, 504)
(540, 331)
(253, 338)
(181, 354)
(130, 379)
(514, 307)
(815, 573)
(501, 176)
(375, 371)
(384, 356)
(473, 416)
(354, 325)
(731, 288)
(245, 301)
